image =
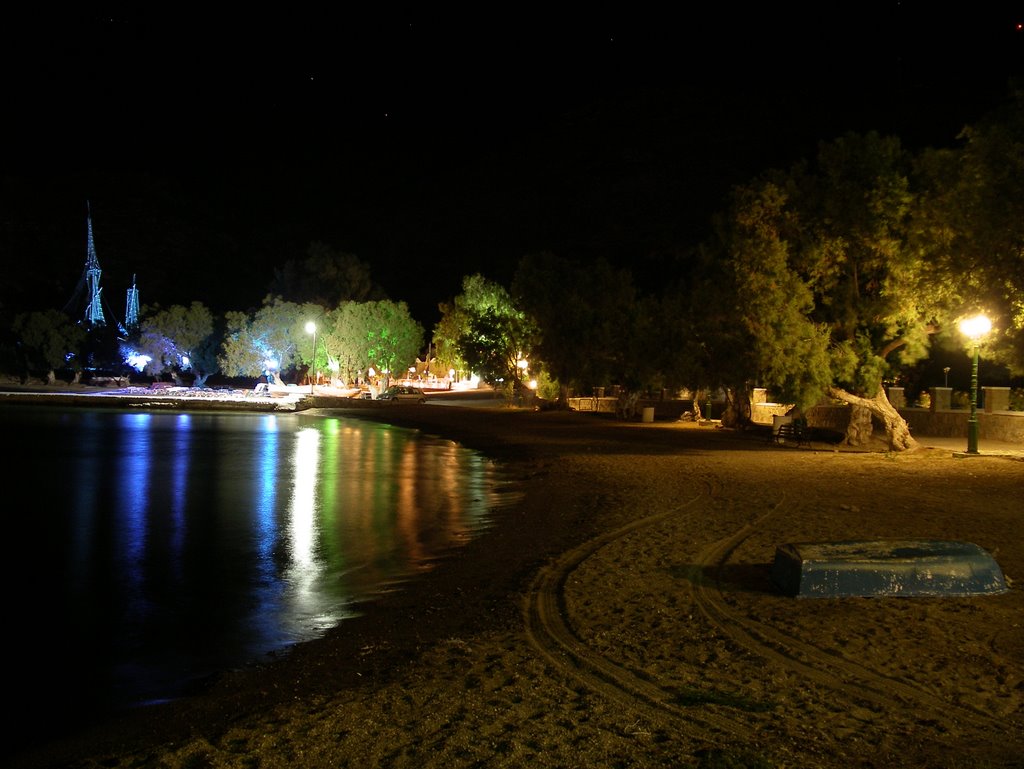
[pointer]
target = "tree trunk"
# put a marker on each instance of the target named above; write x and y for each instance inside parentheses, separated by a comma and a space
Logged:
(859, 428)
(51, 377)
(897, 431)
(737, 408)
(563, 394)
(626, 405)
(200, 380)
(698, 415)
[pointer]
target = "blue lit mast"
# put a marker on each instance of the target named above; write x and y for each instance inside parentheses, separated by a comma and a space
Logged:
(89, 295)
(131, 314)
(94, 308)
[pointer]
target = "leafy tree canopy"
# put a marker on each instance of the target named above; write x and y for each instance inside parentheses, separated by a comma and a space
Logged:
(488, 331)
(820, 285)
(178, 339)
(326, 277)
(49, 340)
(274, 338)
(381, 335)
(584, 314)
(971, 223)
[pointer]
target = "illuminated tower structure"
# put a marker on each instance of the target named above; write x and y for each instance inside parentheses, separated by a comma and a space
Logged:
(86, 306)
(131, 313)
(94, 307)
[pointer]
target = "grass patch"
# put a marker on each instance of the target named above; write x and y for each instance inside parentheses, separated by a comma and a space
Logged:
(689, 697)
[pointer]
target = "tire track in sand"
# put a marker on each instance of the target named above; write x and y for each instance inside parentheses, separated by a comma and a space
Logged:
(546, 626)
(814, 663)
(549, 632)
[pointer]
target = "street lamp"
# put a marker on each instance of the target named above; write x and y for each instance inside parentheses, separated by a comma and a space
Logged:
(974, 329)
(311, 329)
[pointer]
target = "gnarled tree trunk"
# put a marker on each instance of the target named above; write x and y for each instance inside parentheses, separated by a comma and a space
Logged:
(897, 431)
(737, 408)
(698, 415)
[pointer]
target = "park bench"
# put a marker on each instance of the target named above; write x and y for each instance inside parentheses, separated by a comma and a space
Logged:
(795, 432)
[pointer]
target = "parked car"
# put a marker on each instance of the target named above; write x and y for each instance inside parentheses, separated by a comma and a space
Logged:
(403, 393)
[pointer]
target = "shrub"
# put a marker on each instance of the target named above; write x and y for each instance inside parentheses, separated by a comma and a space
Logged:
(1017, 399)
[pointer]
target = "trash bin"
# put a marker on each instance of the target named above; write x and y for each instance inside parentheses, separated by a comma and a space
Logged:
(648, 414)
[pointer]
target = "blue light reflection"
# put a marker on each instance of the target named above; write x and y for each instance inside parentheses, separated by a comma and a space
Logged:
(182, 544)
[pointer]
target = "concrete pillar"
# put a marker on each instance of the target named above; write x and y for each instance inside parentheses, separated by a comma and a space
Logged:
(896, 397)
(941, 398)
(996, 399)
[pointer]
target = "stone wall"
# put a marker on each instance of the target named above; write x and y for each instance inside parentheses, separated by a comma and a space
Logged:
(995, 421)
(998, 426)
(664, 408)
(951, 423)
(948, 423)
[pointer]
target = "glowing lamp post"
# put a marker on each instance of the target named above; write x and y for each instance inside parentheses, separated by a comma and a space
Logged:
(974, 329)
(311, 329)
(524, 366)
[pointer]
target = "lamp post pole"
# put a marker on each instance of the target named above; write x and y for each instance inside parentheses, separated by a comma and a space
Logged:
(974, 329)
(972, 420)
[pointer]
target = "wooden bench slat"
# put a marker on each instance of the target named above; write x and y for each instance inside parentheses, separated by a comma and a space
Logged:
(792, 431)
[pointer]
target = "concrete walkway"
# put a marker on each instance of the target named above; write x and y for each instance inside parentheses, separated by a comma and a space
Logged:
(986, 447)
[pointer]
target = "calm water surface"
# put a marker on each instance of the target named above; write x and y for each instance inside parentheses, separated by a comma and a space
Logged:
(152, 549)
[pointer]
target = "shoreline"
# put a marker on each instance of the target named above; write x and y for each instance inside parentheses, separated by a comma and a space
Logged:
(388, 625)
(612, 616)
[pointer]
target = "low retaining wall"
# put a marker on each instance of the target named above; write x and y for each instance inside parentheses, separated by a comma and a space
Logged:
(998, 426)
(952, 423)
(667, 408)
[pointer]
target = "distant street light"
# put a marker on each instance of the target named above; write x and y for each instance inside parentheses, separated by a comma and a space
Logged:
(311, 329)
(974, 329)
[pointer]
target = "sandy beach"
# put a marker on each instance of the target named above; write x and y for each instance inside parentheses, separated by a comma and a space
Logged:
(621, 614)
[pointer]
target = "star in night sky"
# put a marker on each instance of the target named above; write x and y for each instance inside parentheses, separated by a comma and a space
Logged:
(434, 141)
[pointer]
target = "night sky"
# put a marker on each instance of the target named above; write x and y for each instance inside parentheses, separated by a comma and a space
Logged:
(441, 141)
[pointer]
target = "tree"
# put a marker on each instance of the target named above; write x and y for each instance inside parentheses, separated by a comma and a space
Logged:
(273, 339)
(751, 311)
(585, 316)
(971, 220)
(447, 333)
(180, 339)
(870, 284)
(326, 277)
(487, 347)
(49, 340)
(821, 259)
(490, 333)
(381, 335)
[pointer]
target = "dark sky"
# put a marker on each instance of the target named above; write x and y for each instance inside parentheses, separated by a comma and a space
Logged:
(437, 142)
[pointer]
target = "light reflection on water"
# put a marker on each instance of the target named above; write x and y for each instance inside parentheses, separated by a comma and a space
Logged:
(167, 546)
